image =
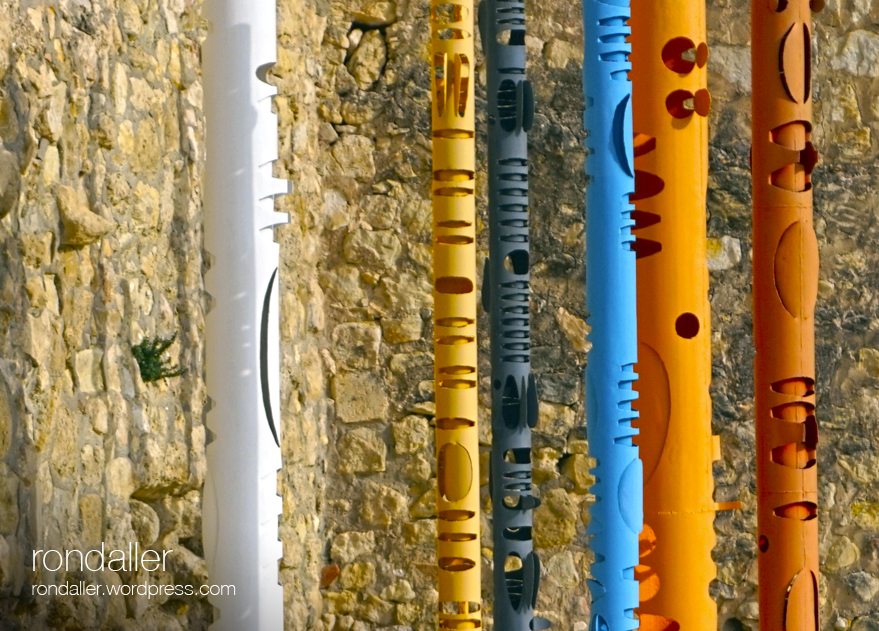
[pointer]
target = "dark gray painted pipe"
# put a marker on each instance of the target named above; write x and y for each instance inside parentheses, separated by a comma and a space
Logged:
(506, 296)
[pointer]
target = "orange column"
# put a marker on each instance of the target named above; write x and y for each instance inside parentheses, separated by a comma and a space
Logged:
(670, 111)
(785, 290)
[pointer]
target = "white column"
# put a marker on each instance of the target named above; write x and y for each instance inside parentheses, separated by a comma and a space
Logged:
(241, 505)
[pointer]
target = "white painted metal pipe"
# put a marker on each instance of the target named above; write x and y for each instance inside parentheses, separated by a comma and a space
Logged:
(241, 505)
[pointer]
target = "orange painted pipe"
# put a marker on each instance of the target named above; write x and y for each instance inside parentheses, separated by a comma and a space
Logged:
(785, 291)
(671, 105)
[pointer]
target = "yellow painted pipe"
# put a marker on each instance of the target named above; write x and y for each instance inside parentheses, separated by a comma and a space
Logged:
(453, 70)
(670, 109)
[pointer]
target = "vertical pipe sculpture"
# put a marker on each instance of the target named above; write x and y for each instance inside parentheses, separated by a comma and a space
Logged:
(785, 291)
(241, 505)
(674, 338)
(454, 265)
(610, 300)
(506, 296)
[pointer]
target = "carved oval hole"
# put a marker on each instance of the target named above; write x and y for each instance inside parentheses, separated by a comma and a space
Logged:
(623, 134)
(795, 62)
(653, 403)
(631, 485)
(796, 270)
(455, 472)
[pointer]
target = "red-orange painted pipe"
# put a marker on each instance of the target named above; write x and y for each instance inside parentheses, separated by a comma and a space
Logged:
(785, 290)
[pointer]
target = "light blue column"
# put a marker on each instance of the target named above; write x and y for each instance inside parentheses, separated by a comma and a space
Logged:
(617, 515)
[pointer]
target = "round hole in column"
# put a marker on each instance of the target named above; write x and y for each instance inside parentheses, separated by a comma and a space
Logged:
(763, 543)
(516, 262)
(677, 55)
(687, 325)
(680, 103)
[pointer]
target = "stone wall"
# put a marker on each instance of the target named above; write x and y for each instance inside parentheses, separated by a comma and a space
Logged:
(100, 247)
(100, 239)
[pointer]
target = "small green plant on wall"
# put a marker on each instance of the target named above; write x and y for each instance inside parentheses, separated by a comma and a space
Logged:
(149, 358)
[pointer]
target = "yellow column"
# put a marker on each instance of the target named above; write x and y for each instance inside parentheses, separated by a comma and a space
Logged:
(454, 263)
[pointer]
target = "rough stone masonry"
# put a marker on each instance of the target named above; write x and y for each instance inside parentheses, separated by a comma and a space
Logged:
(100, 242)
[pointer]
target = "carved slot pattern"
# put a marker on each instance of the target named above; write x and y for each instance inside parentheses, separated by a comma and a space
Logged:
(454, 423)
(649, 584)
(514, 576)
(506, 104)
(456, 515)
(454, 322)
(454, 285)
(511, 16)
(452, 84)
(458, 616)
(454, 239)
(610, 190)
(439, 81)
(456, 370)
(456, 536)
(449, 13)
(453, 340)
(511, 37)
(506, 296)
(456, 564)
(797, 386)
(453, 33)
(799, 454)
(803, 511)
(454, 312)
(464, 84)
(458, 608)
(521, 455)
(518, 534)
(646, 247)
(796, 137)
(646, 185)
(510, 403)
(785, 288)
(644, 219)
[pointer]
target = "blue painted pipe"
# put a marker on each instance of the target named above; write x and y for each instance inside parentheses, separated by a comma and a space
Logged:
(617, 515)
